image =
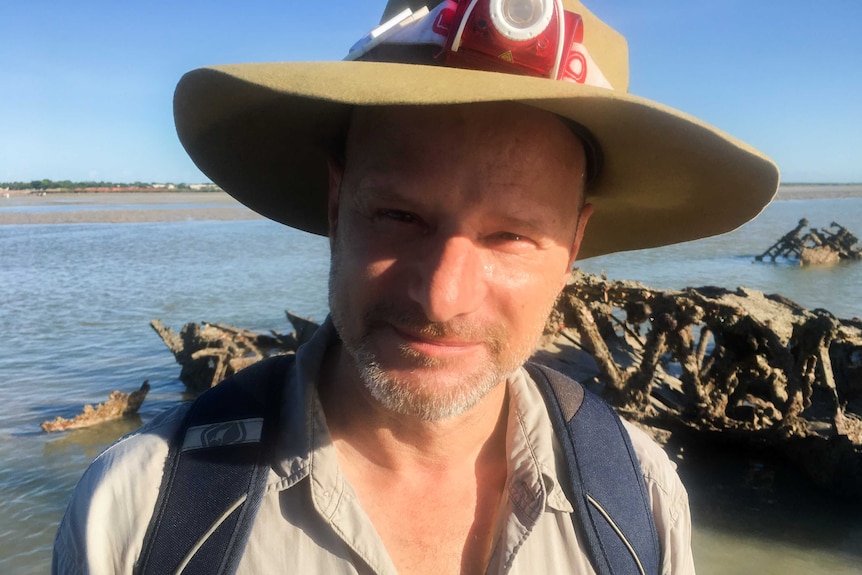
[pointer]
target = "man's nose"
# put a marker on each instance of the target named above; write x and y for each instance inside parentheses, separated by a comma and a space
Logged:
(449, 280)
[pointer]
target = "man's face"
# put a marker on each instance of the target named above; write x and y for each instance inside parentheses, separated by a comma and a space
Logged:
(453, 230)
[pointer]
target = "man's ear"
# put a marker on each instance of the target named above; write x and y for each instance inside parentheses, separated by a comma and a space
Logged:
(583, 218)
(336, 174)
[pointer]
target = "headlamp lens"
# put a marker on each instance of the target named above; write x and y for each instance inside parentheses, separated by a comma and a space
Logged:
(522, 13)
(521, 20)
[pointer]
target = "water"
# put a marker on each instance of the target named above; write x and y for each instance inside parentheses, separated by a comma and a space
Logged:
(76, 300)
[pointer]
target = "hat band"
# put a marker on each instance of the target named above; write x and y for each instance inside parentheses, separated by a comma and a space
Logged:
(537, 38)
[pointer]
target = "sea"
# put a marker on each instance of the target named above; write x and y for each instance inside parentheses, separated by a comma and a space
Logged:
(76, 301)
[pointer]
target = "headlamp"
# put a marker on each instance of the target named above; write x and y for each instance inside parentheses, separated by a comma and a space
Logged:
(531, 37)
(527, 37)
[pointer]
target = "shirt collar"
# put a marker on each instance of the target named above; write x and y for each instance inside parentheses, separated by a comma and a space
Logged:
(535, 456)
(303, 425)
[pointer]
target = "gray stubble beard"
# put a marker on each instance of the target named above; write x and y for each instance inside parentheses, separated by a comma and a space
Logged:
(405, 400)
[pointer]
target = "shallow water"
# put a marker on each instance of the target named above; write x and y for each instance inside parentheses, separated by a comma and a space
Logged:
(728, 260)
(76, 300)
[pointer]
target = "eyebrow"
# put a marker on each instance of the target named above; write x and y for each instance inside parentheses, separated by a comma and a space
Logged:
(532, 229)
(383, 190)
(530, 226)
(378, 189)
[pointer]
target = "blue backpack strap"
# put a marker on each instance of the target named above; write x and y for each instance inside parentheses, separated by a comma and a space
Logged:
(612, 507)
(215, 475)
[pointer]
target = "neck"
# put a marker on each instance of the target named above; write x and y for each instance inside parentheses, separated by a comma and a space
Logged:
(456, 467)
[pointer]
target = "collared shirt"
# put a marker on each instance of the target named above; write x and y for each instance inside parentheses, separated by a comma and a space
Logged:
(310, 519)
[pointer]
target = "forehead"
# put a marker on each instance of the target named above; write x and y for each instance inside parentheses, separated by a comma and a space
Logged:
(504, 157)
(506, 141)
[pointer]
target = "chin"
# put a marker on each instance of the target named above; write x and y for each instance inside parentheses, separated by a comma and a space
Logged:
(427, 395)
(428, 388)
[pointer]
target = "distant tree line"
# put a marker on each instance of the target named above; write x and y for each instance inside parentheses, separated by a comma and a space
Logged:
(70, 185)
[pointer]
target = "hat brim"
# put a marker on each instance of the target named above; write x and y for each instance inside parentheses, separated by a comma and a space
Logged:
(264, 132)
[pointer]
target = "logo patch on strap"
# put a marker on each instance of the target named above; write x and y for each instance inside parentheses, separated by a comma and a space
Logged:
(222, 434)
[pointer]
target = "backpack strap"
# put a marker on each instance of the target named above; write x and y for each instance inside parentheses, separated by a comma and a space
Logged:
(215, 475)
(612, 507)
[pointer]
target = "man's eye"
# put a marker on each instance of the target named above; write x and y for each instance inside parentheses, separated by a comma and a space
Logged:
(398, 216)
(511, 237)
(510, 242)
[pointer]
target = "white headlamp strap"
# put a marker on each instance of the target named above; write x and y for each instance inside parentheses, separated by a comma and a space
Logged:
(561, 22)
(408, 27)
(431, 27)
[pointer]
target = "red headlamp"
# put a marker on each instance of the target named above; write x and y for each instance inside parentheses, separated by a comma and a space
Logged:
(527, 37)
(530, 37)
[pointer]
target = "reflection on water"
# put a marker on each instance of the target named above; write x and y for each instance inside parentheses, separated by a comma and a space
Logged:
(757, 515)
(724, 552)
(92, 440)
(75, 306)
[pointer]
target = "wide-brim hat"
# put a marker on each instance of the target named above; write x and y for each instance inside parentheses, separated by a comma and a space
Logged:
(263, 132)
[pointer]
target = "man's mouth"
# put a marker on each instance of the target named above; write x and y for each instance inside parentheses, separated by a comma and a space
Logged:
(432, 346)
(408, 330)
(445, 341)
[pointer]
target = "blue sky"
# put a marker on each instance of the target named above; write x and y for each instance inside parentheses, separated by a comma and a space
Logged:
(86, 86)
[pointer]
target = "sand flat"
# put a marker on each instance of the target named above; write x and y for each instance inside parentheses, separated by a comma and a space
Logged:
(131, 207)
(819, 191)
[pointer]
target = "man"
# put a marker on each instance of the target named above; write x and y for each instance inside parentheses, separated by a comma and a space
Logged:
(411, 440)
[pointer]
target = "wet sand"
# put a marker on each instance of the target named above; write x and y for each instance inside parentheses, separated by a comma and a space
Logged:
(134, 207)
(819, 191)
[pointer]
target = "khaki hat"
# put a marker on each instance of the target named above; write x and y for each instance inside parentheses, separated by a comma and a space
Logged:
(263, 132)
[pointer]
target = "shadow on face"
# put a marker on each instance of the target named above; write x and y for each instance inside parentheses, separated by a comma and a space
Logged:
(453, 230)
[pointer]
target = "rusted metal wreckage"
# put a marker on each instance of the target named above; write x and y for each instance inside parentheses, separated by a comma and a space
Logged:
(118, 405)
(815, 247)
(210, 352)
(739, 365)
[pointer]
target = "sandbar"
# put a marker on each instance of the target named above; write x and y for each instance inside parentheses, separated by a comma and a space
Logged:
(818, 191)
(127, 207)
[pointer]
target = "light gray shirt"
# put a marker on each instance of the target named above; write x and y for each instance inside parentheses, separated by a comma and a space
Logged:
(310, 520)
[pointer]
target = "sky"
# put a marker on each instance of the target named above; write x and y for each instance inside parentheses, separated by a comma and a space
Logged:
(86, 86)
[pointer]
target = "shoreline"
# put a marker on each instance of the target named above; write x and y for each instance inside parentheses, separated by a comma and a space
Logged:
(25, 208)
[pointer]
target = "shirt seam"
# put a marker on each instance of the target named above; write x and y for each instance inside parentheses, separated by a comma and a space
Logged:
(533, 459)
(672, 496)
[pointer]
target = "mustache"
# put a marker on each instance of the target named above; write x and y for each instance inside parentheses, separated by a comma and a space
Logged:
(411, 318)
